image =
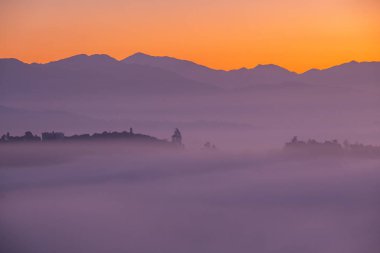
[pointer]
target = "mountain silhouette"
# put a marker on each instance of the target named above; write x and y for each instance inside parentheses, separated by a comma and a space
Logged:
(81, 75)
(185, 68)
(352, 73)
(226, 79)
(101, 75)
(83, 60)
(270, 74)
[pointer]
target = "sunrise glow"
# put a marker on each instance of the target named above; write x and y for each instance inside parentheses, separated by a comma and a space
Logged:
(295, 34)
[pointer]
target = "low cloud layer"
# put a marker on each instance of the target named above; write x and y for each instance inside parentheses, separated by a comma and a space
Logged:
(120, 201)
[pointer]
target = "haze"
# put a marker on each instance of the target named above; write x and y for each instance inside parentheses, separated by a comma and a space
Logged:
(110, 198)
(147, 126)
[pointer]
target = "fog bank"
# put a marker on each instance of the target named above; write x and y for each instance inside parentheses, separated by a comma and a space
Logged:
(125, 201)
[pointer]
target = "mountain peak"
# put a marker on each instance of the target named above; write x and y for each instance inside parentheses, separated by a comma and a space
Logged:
(139, 54)
(140, 58)
(102, 57)
(86, 59)
(164, 62)
(11, 61)
(270, 67)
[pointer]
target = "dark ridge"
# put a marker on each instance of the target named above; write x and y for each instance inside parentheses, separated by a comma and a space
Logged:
(332, 147)
(29, 137)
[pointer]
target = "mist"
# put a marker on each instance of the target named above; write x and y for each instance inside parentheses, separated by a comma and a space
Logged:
(118, 198)
(241, 192)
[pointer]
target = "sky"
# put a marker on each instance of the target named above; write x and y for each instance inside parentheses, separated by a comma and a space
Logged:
(223, 34)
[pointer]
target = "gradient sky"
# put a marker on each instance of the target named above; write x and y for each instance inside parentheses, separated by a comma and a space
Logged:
(296, 34)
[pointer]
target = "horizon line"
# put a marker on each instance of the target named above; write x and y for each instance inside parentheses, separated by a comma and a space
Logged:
(185, 60)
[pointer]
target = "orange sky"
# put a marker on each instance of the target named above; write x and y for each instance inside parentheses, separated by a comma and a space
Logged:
(223, 34)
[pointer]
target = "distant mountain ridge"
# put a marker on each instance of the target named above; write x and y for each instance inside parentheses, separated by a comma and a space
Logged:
(167, 62)
(351, 73)
(144, 74)
(261, 74)
(221, 78)
(96, 74)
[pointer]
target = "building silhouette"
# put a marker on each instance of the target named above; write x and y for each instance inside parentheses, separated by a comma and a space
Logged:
(177, 137)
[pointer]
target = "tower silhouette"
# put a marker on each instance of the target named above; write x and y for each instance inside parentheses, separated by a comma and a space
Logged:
(177, 137)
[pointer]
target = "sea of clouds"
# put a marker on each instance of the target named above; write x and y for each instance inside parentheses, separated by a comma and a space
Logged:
(118, 199)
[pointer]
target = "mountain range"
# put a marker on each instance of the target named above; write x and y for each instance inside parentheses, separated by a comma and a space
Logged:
(145, 74)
